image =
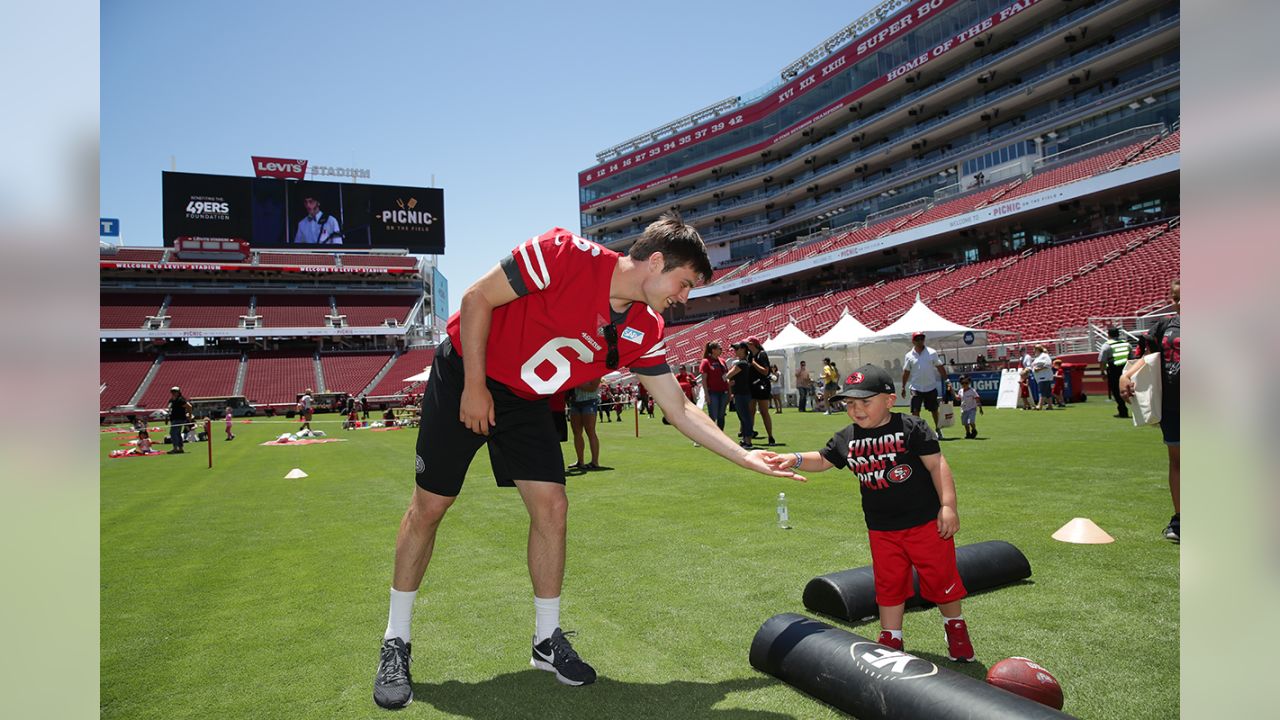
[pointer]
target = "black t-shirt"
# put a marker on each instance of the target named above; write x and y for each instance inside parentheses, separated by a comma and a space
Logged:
(741, 381)
(897, 489)
(178, 409)
(1166, 337)
(760, 379)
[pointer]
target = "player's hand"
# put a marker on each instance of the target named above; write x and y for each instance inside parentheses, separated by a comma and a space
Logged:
(1127, 387)
(758, 460)
(948, 522)
(476, 410)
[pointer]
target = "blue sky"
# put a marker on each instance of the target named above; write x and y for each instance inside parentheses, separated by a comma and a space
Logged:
(503, 102)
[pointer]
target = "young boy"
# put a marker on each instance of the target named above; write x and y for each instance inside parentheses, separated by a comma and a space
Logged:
(908, 500)
(970, 407)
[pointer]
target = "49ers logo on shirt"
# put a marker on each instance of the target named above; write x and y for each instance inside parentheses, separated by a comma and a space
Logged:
(899, 473)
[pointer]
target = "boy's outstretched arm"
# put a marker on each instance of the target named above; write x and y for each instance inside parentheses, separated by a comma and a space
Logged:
(795, 462)
(948, 518)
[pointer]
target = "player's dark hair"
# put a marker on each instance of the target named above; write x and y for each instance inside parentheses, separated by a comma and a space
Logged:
(706, 350)
(678, 242)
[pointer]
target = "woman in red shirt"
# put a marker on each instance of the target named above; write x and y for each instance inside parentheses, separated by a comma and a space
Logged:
(712, 370)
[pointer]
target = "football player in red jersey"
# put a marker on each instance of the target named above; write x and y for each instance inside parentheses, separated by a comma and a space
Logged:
(556, 313)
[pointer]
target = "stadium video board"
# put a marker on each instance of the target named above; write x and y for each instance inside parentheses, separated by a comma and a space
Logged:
(283, 214)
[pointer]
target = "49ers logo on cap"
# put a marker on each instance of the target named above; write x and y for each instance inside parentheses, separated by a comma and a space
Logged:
(899, 473)
(853, 379)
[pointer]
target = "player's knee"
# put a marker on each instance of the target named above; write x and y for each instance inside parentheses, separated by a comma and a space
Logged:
(552, 512)
(428, 508)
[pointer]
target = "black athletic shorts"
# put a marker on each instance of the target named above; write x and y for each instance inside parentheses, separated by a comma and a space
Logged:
(561, 425)
(523, 445)
(761, 392)
(928, 398)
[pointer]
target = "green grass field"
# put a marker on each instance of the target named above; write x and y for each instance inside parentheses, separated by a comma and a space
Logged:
(234, 593)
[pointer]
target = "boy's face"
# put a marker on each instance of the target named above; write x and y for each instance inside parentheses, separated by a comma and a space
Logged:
(870, 412)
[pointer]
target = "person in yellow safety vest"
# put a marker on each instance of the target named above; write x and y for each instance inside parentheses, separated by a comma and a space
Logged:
(1115, 351)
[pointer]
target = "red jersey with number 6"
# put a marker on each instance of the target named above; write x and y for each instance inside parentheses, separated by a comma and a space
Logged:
(551, 337)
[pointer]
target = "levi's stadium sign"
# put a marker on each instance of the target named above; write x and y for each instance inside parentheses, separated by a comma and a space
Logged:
(279, 168)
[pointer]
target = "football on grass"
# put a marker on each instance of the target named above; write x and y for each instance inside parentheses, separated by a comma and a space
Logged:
(1021, 676)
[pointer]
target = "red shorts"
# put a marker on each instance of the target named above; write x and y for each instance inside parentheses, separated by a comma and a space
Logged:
(895, 552)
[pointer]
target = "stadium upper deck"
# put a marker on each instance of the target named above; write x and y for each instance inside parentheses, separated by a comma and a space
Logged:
(916, 101)
(151, 293)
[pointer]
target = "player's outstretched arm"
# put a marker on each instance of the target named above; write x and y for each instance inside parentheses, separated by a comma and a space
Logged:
(700, 428)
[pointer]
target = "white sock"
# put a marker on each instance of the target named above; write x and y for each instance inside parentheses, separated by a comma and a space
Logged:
(401, 615)
(946, 619)
(546, 616)
(895, 634)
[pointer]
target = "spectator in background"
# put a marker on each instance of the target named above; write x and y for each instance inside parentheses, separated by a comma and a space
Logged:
(1165, 337)
(349, 412)
(364, 407)
(582, 418)
(1028, 360)
(970, 407)
(761, 388)
(830, 384)
(304, 410)
(230, 435)
(739, 375)
(775, 388)
(144, 436)
(1042, 375)
(179, 418)
(602, 404)
(804, 385)
(712, 369)
(1059, 383)
(687, 382)
(1112, 357)
(922, 374)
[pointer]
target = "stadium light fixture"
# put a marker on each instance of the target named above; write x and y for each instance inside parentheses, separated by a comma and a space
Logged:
(1135, 105)
(1149, 100)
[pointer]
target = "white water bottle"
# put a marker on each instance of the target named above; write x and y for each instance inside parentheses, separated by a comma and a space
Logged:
(784, 521)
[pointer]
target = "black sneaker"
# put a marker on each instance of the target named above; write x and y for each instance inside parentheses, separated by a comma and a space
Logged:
(556, 655)
(391, 686)
(1173, 530)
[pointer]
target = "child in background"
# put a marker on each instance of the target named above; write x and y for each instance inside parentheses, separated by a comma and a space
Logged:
(970, 406)
(1059, 384)
(908, 501)
(227, 417)
(1024, 395)
(144, 438)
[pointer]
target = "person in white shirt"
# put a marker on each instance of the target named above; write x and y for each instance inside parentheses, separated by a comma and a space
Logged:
(970, 406)
(1028, 360)
(318, 227)
(922, 373)
(1042, 369)
(304, 410)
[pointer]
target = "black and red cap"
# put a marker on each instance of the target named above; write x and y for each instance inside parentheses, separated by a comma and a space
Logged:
(867, 381)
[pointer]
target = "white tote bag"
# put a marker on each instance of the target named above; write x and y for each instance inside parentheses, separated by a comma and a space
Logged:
(1144, 405)
(946, 414)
